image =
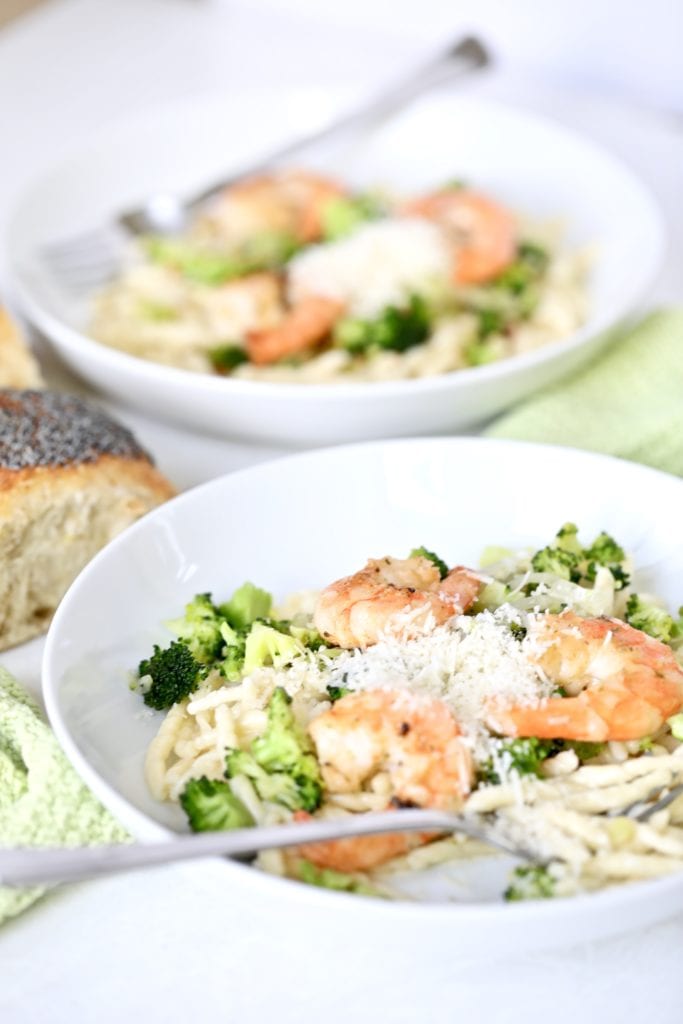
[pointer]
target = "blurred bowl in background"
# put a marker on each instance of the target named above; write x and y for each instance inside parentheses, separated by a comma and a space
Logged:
(529, 162)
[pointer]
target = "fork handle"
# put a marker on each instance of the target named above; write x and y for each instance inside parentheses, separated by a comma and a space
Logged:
(46, 866)
(460, 58)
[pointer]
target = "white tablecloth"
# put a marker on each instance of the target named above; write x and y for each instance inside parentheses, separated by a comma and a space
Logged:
(157, 946)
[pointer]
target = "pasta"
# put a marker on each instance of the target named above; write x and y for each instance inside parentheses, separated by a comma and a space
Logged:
(566, 798)
(297, 279)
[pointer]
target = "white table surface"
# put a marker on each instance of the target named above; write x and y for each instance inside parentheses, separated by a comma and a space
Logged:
(160, 946)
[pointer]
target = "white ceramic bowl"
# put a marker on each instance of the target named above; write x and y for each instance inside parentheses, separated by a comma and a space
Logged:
(528, 161)
(297, 523)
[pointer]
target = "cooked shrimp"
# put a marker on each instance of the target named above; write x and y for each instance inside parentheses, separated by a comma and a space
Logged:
(483, 233)
(356, 610)
(290, 203)
(253, 302)
(417, 743)
(360, 853)
(622, 684)
(305, 325)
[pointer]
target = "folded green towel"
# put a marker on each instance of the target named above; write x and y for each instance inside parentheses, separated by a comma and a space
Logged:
(628, 402)
(42, 800)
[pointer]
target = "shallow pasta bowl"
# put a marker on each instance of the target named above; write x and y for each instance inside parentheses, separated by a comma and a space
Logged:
(336, 508)
(530, 162)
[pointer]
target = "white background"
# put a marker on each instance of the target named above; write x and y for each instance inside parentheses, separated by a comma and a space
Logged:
(161, 946)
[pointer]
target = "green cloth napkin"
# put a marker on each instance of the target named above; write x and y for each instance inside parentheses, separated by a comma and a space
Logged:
(42, 800)
(628, 402)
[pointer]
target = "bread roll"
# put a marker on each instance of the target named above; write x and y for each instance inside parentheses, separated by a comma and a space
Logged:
(18, 368)
(71, 478)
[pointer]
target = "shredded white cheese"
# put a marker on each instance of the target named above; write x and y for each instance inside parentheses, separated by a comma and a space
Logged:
(382, 264)
(466, 663)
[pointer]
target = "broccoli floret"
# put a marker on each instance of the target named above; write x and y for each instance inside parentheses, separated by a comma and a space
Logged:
(401, 329)
(533, 254)
(566, 558)
(530, 264)
(650, 618)
(252, 647)
(516, 278)
(225, 358)
(200, 629)
(531, 883)
(206, 266)
(353, 334)
(395, 329)
(174, 673)
(583, 749)
(558, 562)
(265, 645)
(523, 755)
(342, 215)
(277, 787)
(567, 539)
(605, 551)
(280, 763)
(491, 321)
(337, 692)
(619, 574)
(232, 663)
(284, 747)
(247, 604)
(326, 878)
(481, 352)
(422, 552)
(211, 806)
(308, 636)
(212, 266)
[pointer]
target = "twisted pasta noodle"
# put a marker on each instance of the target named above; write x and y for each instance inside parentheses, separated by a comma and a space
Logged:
(159, 751)
(610, 798)
(210, 764)
(604, 775)
(624, 866)
(574, 815)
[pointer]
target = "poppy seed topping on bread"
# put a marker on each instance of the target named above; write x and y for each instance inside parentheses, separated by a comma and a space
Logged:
(47, 428)
(71, 478)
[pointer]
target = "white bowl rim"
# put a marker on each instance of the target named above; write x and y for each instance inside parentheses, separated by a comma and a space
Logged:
(475, 912)
(80, 343)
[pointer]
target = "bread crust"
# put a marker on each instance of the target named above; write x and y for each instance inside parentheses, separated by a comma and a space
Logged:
(137, 475)
(71, 478)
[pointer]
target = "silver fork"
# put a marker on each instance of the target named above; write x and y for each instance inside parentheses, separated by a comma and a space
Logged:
(47, 866)
(91, 258)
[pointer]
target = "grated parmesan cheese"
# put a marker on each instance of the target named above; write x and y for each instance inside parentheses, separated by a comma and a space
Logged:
(465, 663)
(380, 265)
